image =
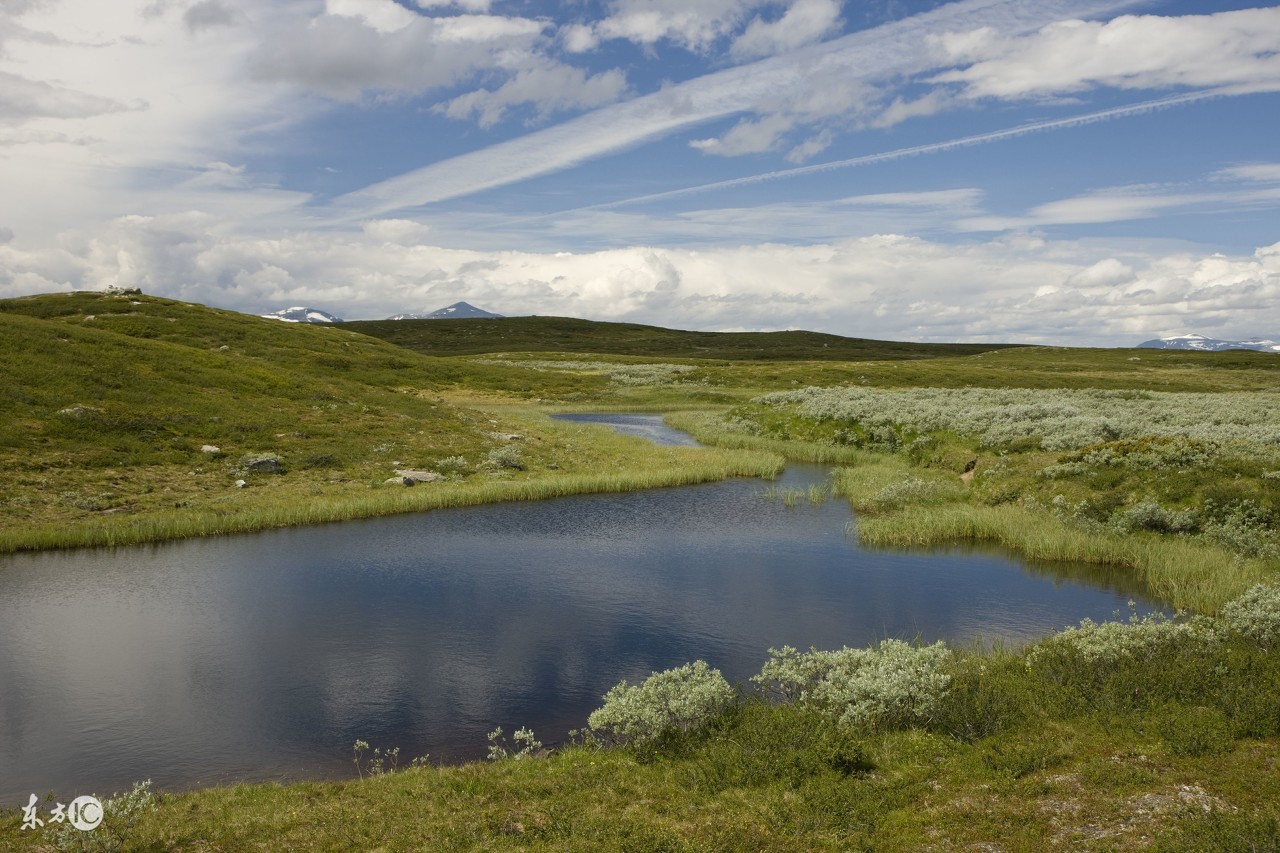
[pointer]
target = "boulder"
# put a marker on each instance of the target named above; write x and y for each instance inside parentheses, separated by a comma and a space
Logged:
(240, 484)
(419, 476)
(398, 481)
(266, 464)
(210, 448)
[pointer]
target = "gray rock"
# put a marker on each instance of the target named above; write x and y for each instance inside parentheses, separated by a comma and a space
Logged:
(419, 476)
(240, 484)
(210, 448)
(398, 481)
(266, 464)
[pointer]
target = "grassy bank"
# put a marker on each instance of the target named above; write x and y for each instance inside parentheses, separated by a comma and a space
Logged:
(1133, 736)
(128, 418)
(1182, 490)
(692, 467)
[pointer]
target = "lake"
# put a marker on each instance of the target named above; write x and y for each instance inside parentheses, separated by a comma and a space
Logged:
(265, 656)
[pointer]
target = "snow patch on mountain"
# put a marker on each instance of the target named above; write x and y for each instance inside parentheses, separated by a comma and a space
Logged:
(301, 314)
(1207, 344)
(456, 311)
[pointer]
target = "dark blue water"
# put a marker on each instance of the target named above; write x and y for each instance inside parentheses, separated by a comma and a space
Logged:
(267, 655)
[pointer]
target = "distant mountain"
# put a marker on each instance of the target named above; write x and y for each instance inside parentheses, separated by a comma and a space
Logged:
(456, 311)
(300, 314)
(1200, 342)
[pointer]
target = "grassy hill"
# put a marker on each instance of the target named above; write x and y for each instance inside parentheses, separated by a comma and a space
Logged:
(567, 334)
(107, 401)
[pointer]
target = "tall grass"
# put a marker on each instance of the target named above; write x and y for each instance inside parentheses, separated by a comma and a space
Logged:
(1189, 575)
(707, 428)
(696, 467)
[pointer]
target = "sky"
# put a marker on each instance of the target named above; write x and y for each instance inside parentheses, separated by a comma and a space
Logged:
(1083, 173)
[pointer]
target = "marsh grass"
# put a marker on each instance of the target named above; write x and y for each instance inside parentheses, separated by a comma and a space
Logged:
(684, 469)
(709, 428)
(1175, 739)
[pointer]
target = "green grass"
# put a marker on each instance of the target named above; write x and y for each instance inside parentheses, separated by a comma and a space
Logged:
(1030, 749)
(567, 334)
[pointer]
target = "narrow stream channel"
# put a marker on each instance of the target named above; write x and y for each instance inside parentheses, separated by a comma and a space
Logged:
(265, 656)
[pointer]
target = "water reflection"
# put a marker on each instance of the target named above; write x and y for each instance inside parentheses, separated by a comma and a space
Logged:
(267, 656)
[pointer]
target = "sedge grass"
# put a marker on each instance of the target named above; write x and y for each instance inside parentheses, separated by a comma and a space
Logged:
(697, 466)
(707, 428)
(1189, 575)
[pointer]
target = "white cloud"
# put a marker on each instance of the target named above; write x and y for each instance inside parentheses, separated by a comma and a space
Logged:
(811, 147)
(345, 56)
(384, 16)
(884, 286)
(801, 82)
(208, 14)
(1230, 51)
(746, 137)
(804, 22)
(693, 26)
(1261, 172)
(548, 85)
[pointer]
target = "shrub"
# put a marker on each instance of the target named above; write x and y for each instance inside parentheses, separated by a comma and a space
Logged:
(506, 457)
(677, 699)
(1098, 644)
(893, 684)
(1195, 731)
(1255, 615)
(1151, 516)
(451, 464)
(119, 815)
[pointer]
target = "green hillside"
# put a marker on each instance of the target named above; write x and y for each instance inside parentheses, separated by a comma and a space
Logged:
(108, 401)
(566, 334)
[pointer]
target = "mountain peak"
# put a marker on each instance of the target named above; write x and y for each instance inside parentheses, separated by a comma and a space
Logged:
(1207, 344)
(302, 314)
(456, 311)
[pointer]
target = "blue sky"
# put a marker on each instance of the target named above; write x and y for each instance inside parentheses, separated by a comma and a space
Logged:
(1041, 171)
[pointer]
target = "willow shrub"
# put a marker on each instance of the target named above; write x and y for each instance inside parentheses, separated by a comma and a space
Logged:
(675, 700)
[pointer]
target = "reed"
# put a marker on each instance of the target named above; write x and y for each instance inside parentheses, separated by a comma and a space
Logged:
(707, 428)
(694, 466)
(1189, 575)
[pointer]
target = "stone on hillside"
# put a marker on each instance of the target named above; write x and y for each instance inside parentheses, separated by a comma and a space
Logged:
(398, 481)
(79, 410)
(507, 436)
(240, 484)
(210, 448)
(267, 463)
(419, 476)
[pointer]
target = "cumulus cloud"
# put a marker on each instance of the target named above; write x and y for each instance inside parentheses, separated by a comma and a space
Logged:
(804, 22)
(693, 26)
(22, 100)
(344, 56)
(548, 85)
(208, 14)
(884, 286)
(1229, 51)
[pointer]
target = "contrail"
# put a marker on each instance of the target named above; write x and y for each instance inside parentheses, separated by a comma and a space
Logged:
(899, 153)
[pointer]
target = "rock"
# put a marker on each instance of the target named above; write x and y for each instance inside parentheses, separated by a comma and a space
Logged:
(419, 476)
(210, 448)
(224, 348)
(266, 464)
(240, 484)
(398, 481)
(507, 436)
(79, 410)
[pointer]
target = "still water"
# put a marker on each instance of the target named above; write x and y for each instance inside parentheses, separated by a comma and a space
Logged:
(266, 656)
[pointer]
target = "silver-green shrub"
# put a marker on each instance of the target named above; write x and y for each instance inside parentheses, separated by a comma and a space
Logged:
(1061, 419)
(1104, 643)
(506, 457)
(892, 684)
(1255, 615)
(119, 815)
(674, 700)
(451, 464)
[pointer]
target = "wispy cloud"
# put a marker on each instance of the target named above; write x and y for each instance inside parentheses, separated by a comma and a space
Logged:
(897, 49)
(917, 150)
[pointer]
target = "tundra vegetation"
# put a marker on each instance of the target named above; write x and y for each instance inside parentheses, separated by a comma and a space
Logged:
(1149, 733)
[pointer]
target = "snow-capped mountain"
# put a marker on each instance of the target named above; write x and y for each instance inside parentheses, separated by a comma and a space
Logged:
(300, 314)
(1200, 342)
(456, 311)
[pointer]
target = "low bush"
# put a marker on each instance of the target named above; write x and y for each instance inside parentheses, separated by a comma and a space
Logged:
(679, 699)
